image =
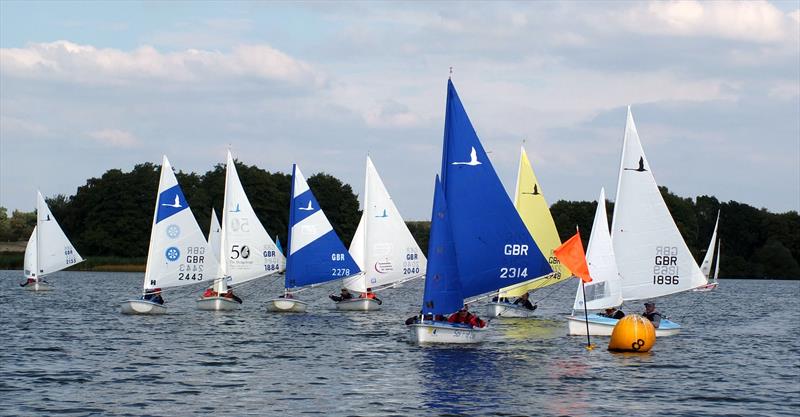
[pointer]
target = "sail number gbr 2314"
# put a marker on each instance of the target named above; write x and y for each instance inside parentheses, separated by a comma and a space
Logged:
(514, 272)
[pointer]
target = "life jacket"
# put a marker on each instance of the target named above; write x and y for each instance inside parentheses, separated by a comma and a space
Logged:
(209, 293)
(369, 295)
(652, 316)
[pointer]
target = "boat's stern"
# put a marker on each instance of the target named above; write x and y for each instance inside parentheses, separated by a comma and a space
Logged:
(143, 307)
(286, 305)
(443, 332)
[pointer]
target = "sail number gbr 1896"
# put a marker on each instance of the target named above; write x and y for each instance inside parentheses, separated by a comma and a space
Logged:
(665, 266)
(514, 272)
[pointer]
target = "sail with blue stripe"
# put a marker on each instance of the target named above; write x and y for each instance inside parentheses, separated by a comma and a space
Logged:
(443, 294)
(316, 254)
(494, 248)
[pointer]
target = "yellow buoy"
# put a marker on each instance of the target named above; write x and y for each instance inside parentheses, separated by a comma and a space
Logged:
(633, 333)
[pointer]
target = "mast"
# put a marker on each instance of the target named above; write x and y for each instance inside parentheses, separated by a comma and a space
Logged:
(365, 214)
(38, 230)
(150, 258)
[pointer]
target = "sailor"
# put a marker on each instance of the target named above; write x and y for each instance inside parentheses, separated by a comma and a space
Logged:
(153, 295)
(613, 312)
(465, 317)
(28, 282)
(209, 293)
(651, 314)
(231, 295)
(370, 295)
(524, 302)
(344, 295)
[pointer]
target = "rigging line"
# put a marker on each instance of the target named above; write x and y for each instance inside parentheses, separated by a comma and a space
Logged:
(550, 292)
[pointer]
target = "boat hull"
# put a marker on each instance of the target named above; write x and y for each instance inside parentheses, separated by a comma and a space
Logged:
(286, 305)
(706, 288)
(603, 326)
(217, 304)
(509, 310)
(142, 307)
(358, 304)
(38, 286)
(443, 332)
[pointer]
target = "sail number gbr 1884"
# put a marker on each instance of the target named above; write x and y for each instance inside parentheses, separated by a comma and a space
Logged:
(514, 272)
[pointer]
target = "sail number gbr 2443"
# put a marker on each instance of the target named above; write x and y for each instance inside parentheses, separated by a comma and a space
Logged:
(514, 272)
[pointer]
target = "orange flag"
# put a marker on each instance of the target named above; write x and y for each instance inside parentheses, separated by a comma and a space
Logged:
(571, 254)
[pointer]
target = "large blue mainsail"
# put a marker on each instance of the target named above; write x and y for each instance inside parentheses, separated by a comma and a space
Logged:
(493, 247)
(443, 293)
(316, 254)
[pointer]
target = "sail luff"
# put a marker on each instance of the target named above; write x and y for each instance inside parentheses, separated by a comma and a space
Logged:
(716, 266)
(705, 267)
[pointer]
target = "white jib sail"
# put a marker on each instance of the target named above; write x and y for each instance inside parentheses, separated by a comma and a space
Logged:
(705, 267)
(246, 251)
(54, 251)
(214, 234)
(652, 257)
(179, 253)
(605, 290)
(716, 265)
(30, 256)
(383, 247)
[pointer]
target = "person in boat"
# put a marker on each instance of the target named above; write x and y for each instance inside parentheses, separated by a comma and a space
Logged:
(497, 299)
(27, 282)
(524, 302)
(286, 295)
(613, 312)
(209, 293)
(232, 296)
(153, 295)
(344, 295)
(370, 295)
(427, 317)
(651, 314)
(463, 316)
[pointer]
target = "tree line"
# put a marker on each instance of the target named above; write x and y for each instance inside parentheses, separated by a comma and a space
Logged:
(112, 215)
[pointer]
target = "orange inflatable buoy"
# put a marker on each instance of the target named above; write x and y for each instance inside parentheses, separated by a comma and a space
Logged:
(633, 333)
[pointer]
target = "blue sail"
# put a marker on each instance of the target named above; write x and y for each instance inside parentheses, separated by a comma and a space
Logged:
(443, 293)
(316, 254)
(494, 248)
(278, 245)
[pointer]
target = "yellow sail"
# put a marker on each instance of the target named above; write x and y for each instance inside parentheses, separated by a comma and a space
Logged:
(532, 207)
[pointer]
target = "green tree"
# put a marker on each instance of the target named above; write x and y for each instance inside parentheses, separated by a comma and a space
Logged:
(5, 225)
(21, 225)
(338, 202)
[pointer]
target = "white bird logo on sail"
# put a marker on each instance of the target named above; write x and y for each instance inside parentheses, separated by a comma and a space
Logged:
(473, 159)
(177, 203)
(309, 208)
(236, 210)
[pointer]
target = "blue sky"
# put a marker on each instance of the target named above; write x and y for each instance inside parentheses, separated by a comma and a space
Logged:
(715, 89)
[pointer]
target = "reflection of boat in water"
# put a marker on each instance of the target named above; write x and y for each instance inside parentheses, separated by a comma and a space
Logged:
(461, 380)
(530, 329)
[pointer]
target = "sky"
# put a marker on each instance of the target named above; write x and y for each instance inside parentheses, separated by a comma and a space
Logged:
(714, 87)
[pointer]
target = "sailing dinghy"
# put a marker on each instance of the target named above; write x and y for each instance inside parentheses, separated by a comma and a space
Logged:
(178, 254)
(478, 242)
(246, 251)
(382, 246)
(48, 250)
(532, 207)
(651, 256)
(710, 259)
(316, 254)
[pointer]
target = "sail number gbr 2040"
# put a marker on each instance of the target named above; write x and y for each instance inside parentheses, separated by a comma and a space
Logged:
(514, 272)
(665, 266)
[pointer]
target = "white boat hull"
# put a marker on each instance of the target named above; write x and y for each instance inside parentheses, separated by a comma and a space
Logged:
(286, 305)
(509, 310)
(603, 326)
(217, 304)
(38, 286)
(142, 307)
(358, 304)
(705, 288)
(443, 332)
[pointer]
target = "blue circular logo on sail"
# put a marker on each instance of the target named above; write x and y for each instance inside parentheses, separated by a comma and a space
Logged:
(172, 253)
(173, 231)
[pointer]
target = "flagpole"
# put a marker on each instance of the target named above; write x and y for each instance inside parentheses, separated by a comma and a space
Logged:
(586, 317)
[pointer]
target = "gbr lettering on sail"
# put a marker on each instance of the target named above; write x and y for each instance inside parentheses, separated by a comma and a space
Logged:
(514, 272)
(665, 266)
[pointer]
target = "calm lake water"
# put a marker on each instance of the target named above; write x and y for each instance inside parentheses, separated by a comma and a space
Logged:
(71, 352)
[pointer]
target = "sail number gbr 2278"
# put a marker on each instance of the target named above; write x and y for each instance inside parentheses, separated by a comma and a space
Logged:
(514, 272)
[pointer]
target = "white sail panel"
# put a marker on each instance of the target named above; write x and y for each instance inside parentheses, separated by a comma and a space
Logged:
(388, 251)
(652, 257)
(716, 265)
(214, 234)
(179, 253)
(605, 290)
(30, 256)
(247, 250)
(55, 252)
(705, 267)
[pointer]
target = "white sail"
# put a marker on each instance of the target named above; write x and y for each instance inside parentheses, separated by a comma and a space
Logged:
(214, 234)
(716, 266)
(705, 267)
(54, 251)
(179, 253)
(247, 251)
(652, 257)
(30, 256)
(605, 290)
(383, 247)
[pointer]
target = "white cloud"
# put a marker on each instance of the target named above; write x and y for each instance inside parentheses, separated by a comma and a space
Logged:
(14, 126)
(67, 61)
(115, 138)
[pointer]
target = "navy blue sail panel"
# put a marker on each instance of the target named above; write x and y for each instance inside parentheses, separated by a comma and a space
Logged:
(315, 252)
(493, 247)
(443, 293)
(171, 201)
